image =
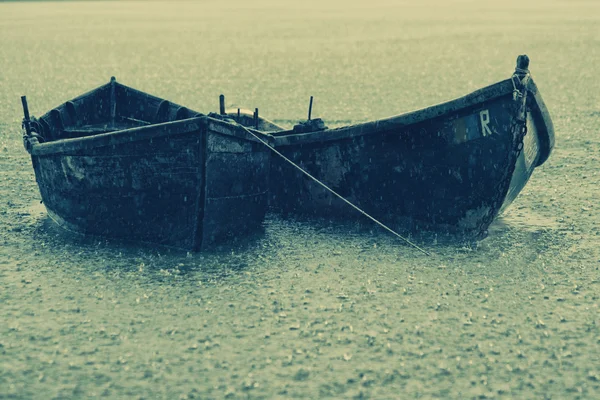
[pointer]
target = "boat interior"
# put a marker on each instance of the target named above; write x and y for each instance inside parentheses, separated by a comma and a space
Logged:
(116, 107)
(109, 108)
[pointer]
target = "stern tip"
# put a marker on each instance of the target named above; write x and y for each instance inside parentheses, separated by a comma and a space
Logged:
(523, 61)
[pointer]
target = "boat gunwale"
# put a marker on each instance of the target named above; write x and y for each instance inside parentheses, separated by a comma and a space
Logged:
(238, 130)
(142, 133)
(541, 118)
(435, 111)
(118, 137)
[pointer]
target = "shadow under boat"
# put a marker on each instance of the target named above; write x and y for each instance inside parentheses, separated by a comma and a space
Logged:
(119, 163)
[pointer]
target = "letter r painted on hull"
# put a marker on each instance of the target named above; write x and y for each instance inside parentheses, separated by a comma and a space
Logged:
(484, 117)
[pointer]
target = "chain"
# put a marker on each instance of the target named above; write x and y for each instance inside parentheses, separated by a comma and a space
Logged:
(518, 131)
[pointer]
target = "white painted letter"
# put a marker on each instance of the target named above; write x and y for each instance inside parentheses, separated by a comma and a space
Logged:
(484, 117)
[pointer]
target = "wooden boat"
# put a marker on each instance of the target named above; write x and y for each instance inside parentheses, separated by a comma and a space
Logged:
(119, 163)
(450, 167)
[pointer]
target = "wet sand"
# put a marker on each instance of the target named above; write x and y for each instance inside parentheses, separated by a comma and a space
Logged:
(306, 309)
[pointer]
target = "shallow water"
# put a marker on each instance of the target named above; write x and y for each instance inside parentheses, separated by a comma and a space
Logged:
(305, 309)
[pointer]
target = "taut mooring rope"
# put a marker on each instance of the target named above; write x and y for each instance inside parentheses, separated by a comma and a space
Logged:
(335, 193)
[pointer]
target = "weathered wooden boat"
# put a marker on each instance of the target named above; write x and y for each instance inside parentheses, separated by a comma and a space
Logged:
(451, 167)
(119, 163)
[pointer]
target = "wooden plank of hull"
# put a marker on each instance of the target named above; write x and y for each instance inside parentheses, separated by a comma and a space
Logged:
(187, 184)
(142, 191)
(540, 117)
(227, 218)
(237, 172)
(443, 171)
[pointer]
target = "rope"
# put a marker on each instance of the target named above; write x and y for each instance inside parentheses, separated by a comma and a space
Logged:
(521, 71)
(335, 193)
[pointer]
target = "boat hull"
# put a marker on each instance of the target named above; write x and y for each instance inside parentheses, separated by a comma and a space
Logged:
(188, 184)
(446, 168)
